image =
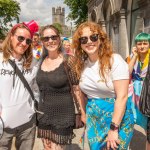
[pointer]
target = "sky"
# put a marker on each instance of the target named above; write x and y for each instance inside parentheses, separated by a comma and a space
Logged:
(40, 10)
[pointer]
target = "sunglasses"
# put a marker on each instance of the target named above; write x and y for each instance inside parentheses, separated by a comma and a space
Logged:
(84, 39)
(46, 38)
(21, 39)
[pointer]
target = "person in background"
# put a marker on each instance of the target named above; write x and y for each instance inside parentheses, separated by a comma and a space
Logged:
(67, 47)
(55, 127)
(138, 66)
(104, 78)
(36, 46)
(17, 107)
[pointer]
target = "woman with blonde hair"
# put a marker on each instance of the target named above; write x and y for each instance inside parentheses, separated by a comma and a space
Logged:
(104, 79)
(67, 47)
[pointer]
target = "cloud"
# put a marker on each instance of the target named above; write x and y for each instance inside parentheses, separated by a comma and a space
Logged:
(40, 10)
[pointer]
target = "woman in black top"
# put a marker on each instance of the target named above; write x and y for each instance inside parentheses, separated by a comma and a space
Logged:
(55, 127)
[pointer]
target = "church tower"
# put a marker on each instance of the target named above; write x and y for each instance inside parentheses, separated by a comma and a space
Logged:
(58, 15)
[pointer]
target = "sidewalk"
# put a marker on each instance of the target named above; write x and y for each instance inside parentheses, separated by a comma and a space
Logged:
(138, 141)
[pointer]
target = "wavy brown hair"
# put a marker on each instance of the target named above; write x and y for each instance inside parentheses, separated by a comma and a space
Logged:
(7, 46)
(57, 33)
(104, 52)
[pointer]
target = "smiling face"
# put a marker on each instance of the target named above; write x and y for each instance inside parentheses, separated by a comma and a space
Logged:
(92, 44)
(19, 47)
(67, 45)
(51, 40)
(35, 40)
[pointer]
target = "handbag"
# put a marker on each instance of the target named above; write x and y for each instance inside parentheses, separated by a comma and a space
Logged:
(144, 103)
(78, 122)
(24, 81)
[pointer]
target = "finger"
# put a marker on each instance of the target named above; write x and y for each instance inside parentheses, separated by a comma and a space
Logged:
(108, 145)
(118, 141)
(112, 143)
(115, 145)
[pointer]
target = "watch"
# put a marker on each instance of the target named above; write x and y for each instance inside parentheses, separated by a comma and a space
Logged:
(114, 127)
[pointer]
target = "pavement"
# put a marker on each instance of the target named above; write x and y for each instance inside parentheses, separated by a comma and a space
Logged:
(138, 141)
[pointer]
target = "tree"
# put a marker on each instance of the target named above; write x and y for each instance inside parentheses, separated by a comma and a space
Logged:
(9, 11)
(59, 27)
(79, 10)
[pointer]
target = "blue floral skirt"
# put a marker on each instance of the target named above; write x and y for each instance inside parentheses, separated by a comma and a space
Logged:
(99, 116)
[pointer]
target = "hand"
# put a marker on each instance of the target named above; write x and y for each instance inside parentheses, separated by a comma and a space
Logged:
(112, 140)
(83, 118)
(134, 51)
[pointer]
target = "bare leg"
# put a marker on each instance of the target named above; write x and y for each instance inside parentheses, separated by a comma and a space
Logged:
(55, 146)
(46, 144)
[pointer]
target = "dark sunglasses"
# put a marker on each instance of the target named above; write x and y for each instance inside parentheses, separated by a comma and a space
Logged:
(46, 38)
(21, 39)
(84, 39)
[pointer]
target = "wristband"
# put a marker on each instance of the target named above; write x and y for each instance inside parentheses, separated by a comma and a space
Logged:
(114, 126)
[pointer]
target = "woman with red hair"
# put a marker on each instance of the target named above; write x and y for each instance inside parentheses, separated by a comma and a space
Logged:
(104, 79)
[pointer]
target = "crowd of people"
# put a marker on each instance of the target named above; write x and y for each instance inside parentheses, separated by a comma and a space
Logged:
(107, 87)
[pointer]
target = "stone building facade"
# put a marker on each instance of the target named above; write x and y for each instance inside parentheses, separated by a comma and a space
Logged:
(122, 20)
(58, 16)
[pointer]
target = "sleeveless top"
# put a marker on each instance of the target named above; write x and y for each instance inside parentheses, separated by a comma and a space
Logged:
(56, 100)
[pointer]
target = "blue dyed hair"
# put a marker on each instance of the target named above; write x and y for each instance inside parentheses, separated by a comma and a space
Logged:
(142, 37)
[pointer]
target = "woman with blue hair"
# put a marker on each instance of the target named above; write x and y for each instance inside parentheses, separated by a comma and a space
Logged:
(138, 65)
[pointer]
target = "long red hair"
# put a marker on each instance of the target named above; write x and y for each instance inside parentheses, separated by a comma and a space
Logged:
(104, 52)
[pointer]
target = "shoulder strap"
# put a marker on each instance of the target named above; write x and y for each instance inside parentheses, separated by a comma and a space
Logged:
(72, 92)
(25, 83)
(22, 78)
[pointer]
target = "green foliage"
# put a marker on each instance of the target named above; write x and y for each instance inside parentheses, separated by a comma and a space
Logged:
(79, 10)
(9, 11)
(59, 27)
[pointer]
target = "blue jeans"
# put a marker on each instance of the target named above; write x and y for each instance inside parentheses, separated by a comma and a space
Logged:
(25, 137)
